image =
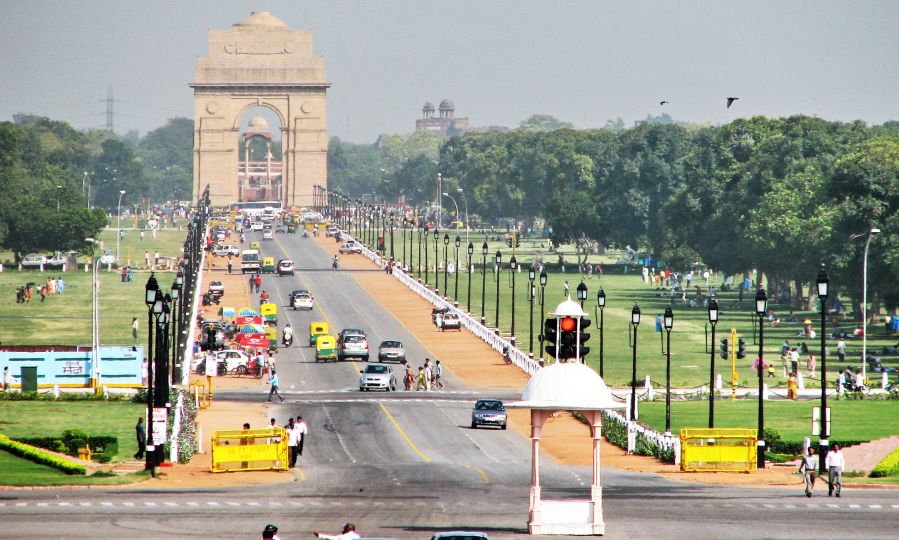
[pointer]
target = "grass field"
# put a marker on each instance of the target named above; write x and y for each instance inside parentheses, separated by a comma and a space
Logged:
(21, 472)
(690, 337)
(66, 319)
(850, 420)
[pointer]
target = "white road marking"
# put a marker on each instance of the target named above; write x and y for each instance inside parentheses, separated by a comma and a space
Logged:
(854, 506)
(339, 436)
(149, 503)
(192, 503)
(85, 503)
(876, 506)
(170, 503)
(212, 503)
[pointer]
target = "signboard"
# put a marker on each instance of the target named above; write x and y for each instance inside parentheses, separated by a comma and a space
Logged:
(120, 366)
(816, 422)
(249, 319)
(160, 423)
(253, 340)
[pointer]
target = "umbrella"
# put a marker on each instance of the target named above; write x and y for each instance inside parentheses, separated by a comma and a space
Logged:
(227, 312)
(247, 312)
(251, 329)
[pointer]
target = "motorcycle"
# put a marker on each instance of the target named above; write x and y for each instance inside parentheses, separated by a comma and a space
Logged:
(287, 338)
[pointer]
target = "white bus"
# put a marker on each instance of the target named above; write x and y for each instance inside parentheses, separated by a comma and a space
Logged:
(258, 208)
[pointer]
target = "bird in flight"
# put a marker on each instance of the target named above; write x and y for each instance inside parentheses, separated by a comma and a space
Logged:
(663, 103)
(730, 101)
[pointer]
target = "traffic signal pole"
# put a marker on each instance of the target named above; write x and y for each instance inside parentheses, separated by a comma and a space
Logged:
(733, 364)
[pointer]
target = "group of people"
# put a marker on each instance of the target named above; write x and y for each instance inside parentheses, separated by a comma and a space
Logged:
(296, 434)
(127, 274)
(255, 283)
(51, 287)
(428, 376)
(833, 463)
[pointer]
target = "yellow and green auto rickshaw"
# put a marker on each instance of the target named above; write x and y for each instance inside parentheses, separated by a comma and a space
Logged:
(269, 314)
(272, 333)
(255, 245)
(325, 348)
(268, 265)
(316, 329)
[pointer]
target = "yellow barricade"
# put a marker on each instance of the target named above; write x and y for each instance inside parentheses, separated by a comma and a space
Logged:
(721, 449)
(249, 450)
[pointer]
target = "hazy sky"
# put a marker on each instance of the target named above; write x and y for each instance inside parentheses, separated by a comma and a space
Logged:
(499, 61)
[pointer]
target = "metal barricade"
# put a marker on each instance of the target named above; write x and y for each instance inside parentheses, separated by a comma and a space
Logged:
(718, 449)
(249, 450)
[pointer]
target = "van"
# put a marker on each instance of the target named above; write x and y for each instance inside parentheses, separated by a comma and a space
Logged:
(249, 261)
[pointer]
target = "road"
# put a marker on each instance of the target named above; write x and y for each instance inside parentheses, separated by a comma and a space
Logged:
(404, 464)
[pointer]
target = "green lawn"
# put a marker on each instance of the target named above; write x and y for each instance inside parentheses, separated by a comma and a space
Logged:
(21, 472)
(689, 354)
(51, 418)
(850, 420)
(66, 319)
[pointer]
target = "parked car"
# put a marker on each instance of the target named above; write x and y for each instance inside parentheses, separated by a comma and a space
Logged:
(451, 322)
(352, 346)
(377, 377)
(285, 267)
(57, 260)
(267, 234)
(391, 350)
(488, 412)
(34, 260)
(216, 287)
(301, 300)
(350, 246)
(280, 229)
(331, 231)
(235, 361)
(225, 250)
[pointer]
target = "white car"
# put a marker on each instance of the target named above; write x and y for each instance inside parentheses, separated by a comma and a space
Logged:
(34, 260)
(57, 260)
(377, 377)
(331, 231)
(350, 247)
(225, 250)
(256, 226)
(352, 346)
(267, 234)
(216, 287)
(235, 361)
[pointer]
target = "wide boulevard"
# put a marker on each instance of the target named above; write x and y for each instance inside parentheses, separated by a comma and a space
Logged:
(404, 464)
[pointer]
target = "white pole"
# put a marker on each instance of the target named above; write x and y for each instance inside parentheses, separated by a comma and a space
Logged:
(865, 303)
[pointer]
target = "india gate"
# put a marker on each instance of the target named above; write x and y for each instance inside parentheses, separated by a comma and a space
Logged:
(260, 63)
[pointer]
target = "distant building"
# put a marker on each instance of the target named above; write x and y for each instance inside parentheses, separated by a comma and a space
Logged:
(446, 124)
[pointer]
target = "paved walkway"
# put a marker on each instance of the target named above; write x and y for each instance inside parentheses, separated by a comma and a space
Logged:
(864, 457)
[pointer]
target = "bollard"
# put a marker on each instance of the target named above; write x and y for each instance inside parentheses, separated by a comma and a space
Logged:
(63, 267)
(1, 267)
(56, 390)
(765, 392)
(800, 381)
(87, 268)
(884, 380)
(719, 384)
(109, 267)
(42, 267)
(806, 442)
(650, 393)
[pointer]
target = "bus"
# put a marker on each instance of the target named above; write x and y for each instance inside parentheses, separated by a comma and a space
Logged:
(257, 208)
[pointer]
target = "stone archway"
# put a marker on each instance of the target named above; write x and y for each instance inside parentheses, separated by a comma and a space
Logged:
(260, 62)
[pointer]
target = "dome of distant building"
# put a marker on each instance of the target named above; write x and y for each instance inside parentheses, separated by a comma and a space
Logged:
(261, 18)
(257, 122)
(447, 104)
(428, 106)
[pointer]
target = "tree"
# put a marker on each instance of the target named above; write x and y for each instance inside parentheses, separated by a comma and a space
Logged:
(544, 122)
(167, 157)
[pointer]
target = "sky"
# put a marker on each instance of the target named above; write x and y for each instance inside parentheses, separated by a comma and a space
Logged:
(500, 61)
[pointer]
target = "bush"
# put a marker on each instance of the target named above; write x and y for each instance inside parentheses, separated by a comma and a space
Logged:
(65, 396)
(40, 456)
(889, 466)
(104, 447)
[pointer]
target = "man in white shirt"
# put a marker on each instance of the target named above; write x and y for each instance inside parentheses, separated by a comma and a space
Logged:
(292, 433)
(834, 463)
(348, 533)
(302, 430)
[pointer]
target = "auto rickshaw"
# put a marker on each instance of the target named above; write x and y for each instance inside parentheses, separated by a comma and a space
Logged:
(269, 314)
(316, 329)
(272, 333)
(291, 228)
(325, 348)
(268, 265)
(255, 245)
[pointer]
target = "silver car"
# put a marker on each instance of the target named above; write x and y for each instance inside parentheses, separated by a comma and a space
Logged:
(391, 350)
(488, 412)
(377, 377)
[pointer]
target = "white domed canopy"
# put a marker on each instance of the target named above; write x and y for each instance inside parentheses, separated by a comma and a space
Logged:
(261, 18)
(567, 386)
(258, 122)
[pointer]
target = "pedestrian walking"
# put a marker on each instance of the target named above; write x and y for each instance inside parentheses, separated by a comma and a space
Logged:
(141, 235)
(834, 463)
(438, 372)
(809, 469)
(134, 328)
(841, 349)
(302, 431)
(141, 435)
(428, 377)
(292, 432)
(7, 379)
(273, 381)
(792, 387)
(420, 385)
(409, 379)
(155, 258)
(252, 283)
(258, 282)
(229, 264)
(60, 285)
(147, 259)
(810, 363)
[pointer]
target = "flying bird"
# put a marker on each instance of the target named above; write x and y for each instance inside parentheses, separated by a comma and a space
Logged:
(663, 103)
(730, 101)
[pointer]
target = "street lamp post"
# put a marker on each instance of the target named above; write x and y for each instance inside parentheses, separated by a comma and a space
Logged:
(465, 200)
(532, 274)
(404, 243)
(499, 258)
(174, 324)
(483, 279)
(713, 319)
(468, 274)
(669, 324)
(151, 291)
(761, 307)
(436, 261)
(582, 293)
(513, 266)
(601, 303)
(458, 243)
(426, 255)
(445, 265)
(392, 222)
(543, 280)
(635, 322)
(824, 433)
(418, 267)
(162, 372)
(118, 235)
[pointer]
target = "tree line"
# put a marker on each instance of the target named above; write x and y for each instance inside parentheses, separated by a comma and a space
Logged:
(778, 195)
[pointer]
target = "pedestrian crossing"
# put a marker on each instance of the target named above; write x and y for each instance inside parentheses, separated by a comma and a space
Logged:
(328, 503)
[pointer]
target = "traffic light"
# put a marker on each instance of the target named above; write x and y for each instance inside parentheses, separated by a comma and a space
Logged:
(741, 348)
(583, 337)
(725, 347)
(550, 335)
(567, 338)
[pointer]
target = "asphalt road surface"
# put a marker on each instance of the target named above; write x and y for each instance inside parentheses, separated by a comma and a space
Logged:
(405, 464)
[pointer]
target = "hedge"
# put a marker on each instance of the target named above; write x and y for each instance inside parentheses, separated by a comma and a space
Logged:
(104, 447)
(38, 455)
(889, 466)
